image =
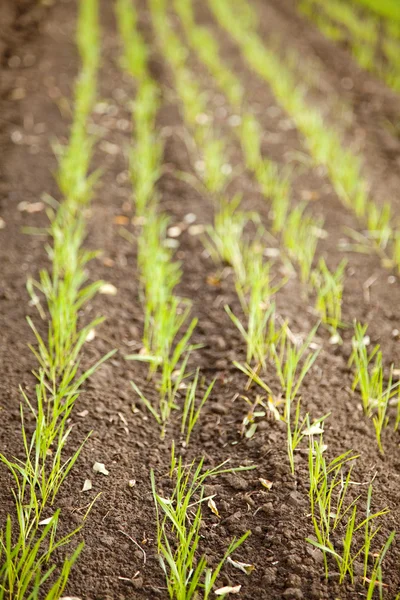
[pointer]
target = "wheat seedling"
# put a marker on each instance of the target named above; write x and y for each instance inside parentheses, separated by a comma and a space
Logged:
(255, 293)
(292, 362)
(323, 142)
(369, 378)
(331, 509)
(27, 564)
(190, 415)
(225, 237)
(179, 521)
(329, 288)
(300, 237)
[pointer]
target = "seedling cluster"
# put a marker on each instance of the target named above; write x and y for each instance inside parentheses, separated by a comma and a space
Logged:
(344, 22)
(28, 545)
(259, 254)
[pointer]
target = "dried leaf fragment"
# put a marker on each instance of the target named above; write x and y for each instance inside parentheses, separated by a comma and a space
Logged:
(91, 335)
(228, 589)
(87, 485)
(265, 483)
(108, 289)
(46, 521)
(121, 220)
(376, 582)
(174, 231)
(251, 430)
(100, 468)
(196, 229)
(30, 207)
(245, 567)
(314, 429)
(213, 507)
(272, 408)
(213, 280)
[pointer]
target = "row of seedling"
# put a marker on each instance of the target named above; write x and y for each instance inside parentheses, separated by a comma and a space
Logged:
(28, 542)
(380, 394)
(343, 533)
(374, 51)
(168, 330)
(299, 231)
(278, 345)
(167, 324)
(254, 284)
(265, 342)
(323, 142)
(179, 537)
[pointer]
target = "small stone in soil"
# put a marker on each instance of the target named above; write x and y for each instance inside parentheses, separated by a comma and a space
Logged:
(237, 483)
(293, 594)
(269, 577)
(315, 554)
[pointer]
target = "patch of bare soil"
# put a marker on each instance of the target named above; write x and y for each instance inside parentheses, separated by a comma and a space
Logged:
(124, 437)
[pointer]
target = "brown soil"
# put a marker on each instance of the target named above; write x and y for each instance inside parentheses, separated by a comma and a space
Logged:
(42, 68)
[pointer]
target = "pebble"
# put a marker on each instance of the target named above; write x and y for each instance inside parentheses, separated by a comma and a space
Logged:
(269, 577)
(293, 593)
(16, 137)
(108, 541)
(236, 516)
(295, 499)
(218, 408)
(268, 509)
(358, 568)
(237, 482)
(315, 591)
(137, 583)
(294, 580)
(221, 363)
(315, 554)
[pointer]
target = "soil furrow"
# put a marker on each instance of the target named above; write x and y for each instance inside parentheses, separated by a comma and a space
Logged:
(124, 436)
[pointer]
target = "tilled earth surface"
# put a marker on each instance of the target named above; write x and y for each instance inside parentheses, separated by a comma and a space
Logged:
(38, 66)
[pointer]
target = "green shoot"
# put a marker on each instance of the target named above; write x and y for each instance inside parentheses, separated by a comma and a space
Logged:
(292, 363)
(206, 47)
(179, 536)
(167, 332)
(147, 151)
(167, 329)
(300, 237)
(250, 138)
(255, 295)
(190, 415)
(376, 576)
(332, 510)
(378, 223)
(292, 360)
(27, 564)
(369, 378)
(135, 49)
(325, 145)
(275, 184)
(226, 235)
(193, 100)
(214, 176)
(329, 289)
(26, 553)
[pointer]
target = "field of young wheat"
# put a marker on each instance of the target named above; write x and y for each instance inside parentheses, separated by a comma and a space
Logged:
(199, 299)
